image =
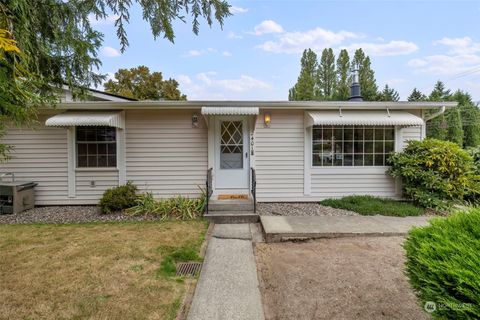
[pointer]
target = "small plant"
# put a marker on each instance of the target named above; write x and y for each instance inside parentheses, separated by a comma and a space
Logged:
(118, 198)
(435, 174)
(442, 264)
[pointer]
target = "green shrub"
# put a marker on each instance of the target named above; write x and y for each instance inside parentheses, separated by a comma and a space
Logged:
(118, 198)
(181, 208)
(443, 264)
(475, 153)
(368, 206)
(435, 174)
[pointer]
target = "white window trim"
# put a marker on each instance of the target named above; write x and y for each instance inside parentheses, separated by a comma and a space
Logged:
(72, 168)
(309, 169)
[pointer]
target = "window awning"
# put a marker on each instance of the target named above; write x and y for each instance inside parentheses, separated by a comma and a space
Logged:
(240, 111)
(92, 118)
(363, 118)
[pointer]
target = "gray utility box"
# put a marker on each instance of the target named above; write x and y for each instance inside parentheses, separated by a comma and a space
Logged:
(16, 196)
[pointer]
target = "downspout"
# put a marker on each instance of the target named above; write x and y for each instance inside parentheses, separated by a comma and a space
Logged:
(436, 114)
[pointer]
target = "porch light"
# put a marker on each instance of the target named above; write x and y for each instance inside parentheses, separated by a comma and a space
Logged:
(267, 120)
(195, 120)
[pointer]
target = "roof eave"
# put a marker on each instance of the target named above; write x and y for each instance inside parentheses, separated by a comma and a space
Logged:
(308, 105)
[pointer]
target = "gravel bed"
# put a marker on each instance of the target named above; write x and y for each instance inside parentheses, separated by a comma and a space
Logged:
(67, 214)
(300, 209)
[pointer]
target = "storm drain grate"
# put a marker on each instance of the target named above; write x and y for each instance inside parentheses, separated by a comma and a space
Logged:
(189, 268)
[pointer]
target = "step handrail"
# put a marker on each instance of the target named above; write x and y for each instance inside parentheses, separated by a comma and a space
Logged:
(208, 188)
(254, 189)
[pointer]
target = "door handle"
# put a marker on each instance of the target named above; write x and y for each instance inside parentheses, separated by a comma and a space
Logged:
(246, 155)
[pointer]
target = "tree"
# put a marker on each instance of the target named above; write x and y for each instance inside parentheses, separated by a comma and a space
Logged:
(342, 90)
(455, 130)
(416, 95)
(327, 75)
(368, 84)
(306, 87)
(140, 84)
(388, 94)
(58, 45)
(470, 115)
(438, 127)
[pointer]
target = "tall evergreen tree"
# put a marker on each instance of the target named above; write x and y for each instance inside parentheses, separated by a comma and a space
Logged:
(388, 94)
(368, 84)
(438, 127)
(306, 87)
(342, 90)
(416, 95)
(470, 115)
(454, 131)
(326, 75)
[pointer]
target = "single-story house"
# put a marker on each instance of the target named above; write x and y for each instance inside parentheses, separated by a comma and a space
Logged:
(299, 150)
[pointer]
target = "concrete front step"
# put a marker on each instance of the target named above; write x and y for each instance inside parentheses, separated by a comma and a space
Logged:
(230, 205)
(232, 217)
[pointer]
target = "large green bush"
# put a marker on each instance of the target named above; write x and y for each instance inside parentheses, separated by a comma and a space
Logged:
(475, 153)
(118, 198)
(443, 261)
(434, 173)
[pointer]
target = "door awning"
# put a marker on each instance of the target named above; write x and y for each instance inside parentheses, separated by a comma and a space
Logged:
(92, 118)
(363, 118)
(239, 111)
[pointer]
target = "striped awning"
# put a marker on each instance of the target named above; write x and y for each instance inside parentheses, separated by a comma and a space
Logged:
(90, 118)
(240, 111)
(363, 118)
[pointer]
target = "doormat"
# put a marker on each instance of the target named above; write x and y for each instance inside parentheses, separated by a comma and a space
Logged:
(233, 197)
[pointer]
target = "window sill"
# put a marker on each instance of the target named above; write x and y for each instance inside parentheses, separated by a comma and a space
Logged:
(349, 170)
(103, 169)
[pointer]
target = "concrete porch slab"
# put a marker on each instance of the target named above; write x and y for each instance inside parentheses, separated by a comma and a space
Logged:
(289, 228)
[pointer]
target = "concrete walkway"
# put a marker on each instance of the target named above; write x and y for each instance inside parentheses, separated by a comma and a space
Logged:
(228, 286)
(289, 228)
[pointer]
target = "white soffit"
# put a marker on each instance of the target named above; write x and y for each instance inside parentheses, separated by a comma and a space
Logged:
(363, 118)
(92, 118)
(239, 111)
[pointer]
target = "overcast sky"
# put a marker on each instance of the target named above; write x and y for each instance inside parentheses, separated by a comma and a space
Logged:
(257, 54)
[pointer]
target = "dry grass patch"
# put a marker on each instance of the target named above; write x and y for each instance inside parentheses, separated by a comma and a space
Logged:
(96, 271)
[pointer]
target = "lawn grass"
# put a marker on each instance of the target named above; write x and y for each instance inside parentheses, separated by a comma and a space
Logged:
(95, 271)
(369, 206)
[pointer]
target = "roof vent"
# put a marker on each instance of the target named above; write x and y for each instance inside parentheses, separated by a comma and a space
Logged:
(355, 94)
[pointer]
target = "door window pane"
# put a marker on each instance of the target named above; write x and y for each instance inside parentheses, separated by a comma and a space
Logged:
(231, 145)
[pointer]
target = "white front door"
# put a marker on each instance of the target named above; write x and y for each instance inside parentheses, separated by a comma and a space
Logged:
(231, 153)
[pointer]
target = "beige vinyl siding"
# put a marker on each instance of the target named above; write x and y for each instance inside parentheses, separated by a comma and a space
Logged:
(279, 156)
(103, 180)
(39, 155)
(165, 154)
(411, 133)
(340, 182)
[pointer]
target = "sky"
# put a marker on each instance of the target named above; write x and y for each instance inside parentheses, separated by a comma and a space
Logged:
(256, 56)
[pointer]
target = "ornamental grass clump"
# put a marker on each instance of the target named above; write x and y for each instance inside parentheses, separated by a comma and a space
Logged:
(181, 208)
(443, 265)
(435, 174)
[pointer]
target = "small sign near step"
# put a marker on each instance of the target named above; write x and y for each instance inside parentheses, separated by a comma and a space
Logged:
(189, 269)
(233, 197)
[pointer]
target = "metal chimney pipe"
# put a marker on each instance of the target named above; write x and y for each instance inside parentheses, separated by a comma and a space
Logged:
(355, 94)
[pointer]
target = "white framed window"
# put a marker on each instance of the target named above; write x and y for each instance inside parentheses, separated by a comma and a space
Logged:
(96, 147)
(351, 146)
